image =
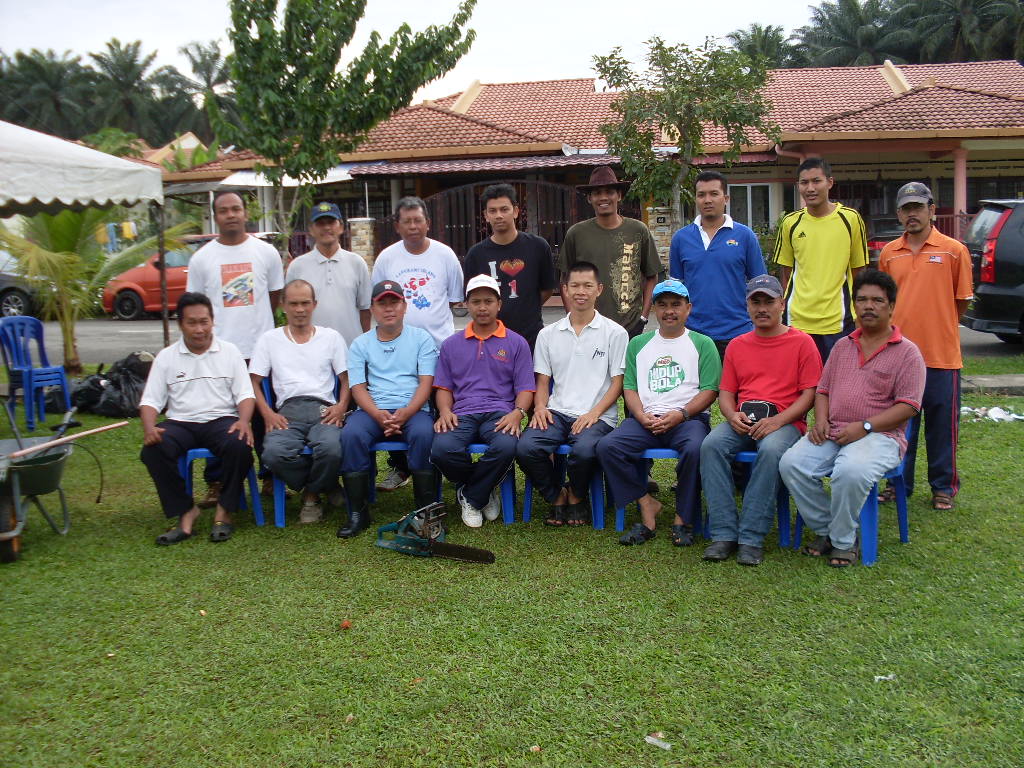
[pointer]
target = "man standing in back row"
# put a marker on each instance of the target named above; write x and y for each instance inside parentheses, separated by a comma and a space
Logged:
(820, 249)
(519, 261)
(620, 247)
(933, 274)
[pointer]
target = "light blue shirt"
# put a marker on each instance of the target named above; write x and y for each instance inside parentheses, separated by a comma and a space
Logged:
(391, 370)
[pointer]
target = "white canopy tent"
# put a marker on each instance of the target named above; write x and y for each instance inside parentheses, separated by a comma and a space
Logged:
(44, 174)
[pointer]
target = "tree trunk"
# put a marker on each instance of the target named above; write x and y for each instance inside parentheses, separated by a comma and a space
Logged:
(66, 319)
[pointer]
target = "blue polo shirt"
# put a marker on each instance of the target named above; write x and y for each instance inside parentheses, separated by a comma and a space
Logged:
(391, 370)
(484, 374)
(717, 276)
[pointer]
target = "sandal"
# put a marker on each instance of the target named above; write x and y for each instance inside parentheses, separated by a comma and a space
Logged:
(841, 558)
(221, 531)
(556, 518)
(638, 534)
(577, 514)
(682, 535)
(820, 547)
(887, 495)
(173, 536)
(942, 502)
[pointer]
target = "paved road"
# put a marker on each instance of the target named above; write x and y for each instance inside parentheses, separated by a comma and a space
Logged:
(102, 340)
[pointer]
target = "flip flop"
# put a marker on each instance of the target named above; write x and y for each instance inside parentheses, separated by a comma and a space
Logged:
(172, 536)
(556, 518)
(577, 515)
(843, 558)
(221, 532)
(820, 547)
(887, 495)
(942, 502)
(682, 535)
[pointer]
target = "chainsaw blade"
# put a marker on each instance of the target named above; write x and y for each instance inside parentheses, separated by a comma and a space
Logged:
(457, 552)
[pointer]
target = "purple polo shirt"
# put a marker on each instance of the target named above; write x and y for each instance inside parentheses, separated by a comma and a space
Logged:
(859, 388)
(485, 374)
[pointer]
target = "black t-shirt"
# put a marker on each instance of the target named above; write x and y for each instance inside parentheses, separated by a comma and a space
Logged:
(524, 268)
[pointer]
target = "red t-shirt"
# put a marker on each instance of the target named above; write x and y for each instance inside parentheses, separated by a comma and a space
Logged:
(772, 368)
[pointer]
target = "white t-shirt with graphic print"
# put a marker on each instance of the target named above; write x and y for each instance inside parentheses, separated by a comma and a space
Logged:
(668, 373)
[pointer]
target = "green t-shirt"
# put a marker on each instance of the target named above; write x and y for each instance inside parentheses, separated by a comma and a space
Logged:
(626, 256)
(668, 373)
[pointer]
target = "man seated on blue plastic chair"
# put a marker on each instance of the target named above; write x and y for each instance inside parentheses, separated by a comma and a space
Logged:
(484, 385)
(391, 372)
(871, 385)
(671, 380)
(767, 387)
(306, 363)
(584, 356)
(204, 385)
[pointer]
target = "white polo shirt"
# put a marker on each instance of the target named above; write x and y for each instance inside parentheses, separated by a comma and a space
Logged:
(301, 370)
(198, 388)
(581, 367)
(342, 286)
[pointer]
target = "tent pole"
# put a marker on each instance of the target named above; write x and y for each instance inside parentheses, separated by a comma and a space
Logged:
(158, 212)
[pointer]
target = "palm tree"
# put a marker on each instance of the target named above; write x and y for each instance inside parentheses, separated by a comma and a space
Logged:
(46, 92)
(769, 43)
(126, 89)
(210, 84)
(1007, 33)
(846, 33)
(957, 30)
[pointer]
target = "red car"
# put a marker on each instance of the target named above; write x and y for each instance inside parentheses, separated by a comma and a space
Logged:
(136, 292)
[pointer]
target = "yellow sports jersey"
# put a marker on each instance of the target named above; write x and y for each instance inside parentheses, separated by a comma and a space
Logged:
(822, 252)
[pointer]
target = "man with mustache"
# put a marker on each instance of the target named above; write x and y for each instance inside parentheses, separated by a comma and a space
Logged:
(933, 273)
(715, 257)
(767, 388)
(869, 388)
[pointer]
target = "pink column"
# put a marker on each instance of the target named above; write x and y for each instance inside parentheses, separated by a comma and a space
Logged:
(959, 187)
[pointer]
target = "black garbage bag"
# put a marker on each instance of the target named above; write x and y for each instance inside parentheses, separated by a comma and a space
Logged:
(86, 392)
(125, 381)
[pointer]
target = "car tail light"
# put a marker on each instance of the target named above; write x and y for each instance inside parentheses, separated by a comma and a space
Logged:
(988, 255)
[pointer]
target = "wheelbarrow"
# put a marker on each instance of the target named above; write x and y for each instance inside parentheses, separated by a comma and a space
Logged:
(30, 468)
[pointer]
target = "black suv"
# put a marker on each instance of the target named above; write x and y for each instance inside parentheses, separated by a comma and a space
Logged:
(996, 242)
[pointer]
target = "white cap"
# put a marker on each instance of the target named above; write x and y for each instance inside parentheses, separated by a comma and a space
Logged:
(483, 281)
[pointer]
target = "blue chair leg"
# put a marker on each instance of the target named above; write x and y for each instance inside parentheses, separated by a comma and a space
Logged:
(508, 496)
(527, 499)
(783, 511)
(901, 508)
(869, 527)
(254, 493)
(280, 501)
(597, 498)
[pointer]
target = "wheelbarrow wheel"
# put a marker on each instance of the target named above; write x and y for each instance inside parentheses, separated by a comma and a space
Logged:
(10, 549)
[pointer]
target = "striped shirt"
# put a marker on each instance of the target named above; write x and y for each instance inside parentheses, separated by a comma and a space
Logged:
(859, 389)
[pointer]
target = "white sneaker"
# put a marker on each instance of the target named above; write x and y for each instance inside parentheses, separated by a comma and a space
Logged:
(311, 512)
(492, 509)
(393, 480)
(470, 515)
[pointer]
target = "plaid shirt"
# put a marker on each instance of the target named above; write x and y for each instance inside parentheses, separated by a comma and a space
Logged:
(859, 389)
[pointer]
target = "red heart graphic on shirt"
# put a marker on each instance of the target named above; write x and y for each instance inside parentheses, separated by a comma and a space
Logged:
(512, 267)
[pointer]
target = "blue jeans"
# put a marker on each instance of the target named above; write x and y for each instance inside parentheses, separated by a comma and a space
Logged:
(759, 499)
(854, 469)
(362, 431)
(537, 445)
(477, 478)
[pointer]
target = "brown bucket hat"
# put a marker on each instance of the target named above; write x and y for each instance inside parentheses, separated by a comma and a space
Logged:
(603, 176)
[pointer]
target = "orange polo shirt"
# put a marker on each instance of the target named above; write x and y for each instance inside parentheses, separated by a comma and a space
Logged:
(929, 284)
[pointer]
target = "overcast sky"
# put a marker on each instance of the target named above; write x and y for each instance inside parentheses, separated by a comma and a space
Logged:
(524, 40)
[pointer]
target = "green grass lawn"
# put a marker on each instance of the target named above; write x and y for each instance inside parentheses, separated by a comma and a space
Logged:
(119, 653)
(993, 366)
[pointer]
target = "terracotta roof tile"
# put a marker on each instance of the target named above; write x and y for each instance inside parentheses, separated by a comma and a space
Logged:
(473, 165)
(221, 163)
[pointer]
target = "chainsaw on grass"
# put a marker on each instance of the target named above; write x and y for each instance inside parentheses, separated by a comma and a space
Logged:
(422, 533)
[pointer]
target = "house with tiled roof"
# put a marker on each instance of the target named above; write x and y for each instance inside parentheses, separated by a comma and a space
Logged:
(958, 127)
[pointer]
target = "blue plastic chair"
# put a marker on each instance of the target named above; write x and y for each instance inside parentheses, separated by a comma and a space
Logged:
(650, 453)
(508, 485)
(185, 469)
(17, 334)
(596, 489)
(869, 514)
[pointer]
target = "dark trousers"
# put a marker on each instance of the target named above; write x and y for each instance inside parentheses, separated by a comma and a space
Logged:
(182, 436)
(536, 446)
(619, 453)
(213, 473)
(478, 478)
(940, 407)
(825, 341)
(361, 432)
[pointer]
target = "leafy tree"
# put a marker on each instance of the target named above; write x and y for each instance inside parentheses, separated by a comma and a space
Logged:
(114, 141)
(60, 257)
(768, 43)
(1007, 32)
(297, 108)
(46, 92)
(959, 30)
(126, 89)
(681, 92)
(844, 33)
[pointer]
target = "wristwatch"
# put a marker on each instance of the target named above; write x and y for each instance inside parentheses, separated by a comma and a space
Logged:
(522, 411)
(868, 427)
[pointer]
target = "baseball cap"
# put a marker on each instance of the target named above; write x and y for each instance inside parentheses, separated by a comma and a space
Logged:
(326, 209)
(387, 288)
(483, 281)
(914, 192)
(764, 284)
(670, 286)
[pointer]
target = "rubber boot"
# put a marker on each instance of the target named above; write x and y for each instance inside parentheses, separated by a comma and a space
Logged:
(357, 485)
(424, 488)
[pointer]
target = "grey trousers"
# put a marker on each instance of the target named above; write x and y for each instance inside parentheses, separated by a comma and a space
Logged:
(282, 448)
